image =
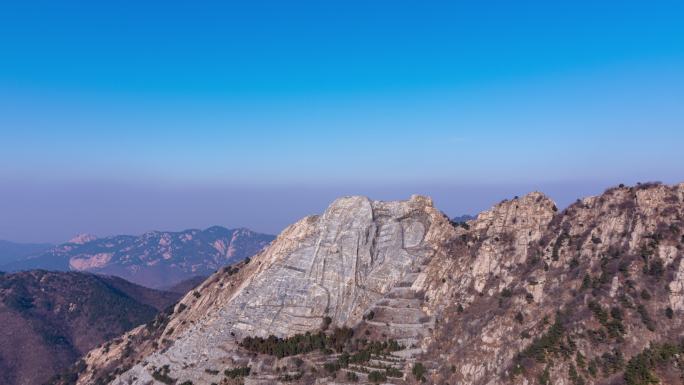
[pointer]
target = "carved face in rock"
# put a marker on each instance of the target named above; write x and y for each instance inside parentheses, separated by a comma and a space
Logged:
(360, 250)
(338, 265)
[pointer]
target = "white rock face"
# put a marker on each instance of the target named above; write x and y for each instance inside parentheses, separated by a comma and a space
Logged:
(90, 262)
(336, 265)
(81, 239)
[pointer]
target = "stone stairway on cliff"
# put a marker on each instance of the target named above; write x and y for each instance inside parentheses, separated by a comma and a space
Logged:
(398, 316)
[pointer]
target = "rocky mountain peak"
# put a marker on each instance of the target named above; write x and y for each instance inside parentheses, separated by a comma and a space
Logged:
(421, 200)
(81, 239)
(531, 211)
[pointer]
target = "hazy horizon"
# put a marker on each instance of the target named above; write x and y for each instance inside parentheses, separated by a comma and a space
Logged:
(108, 209)
(123, 117)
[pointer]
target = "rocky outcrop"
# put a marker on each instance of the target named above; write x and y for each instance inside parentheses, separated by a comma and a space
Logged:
(522, 294)
(522, 265)
(82, 238)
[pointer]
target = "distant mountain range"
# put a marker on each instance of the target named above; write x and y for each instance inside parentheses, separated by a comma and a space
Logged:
(185, 286)
(49, 319)
(463, 218)
(155, 259)
(13, 251)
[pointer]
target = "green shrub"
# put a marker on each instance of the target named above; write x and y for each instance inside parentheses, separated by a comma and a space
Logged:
(645, 317)
(331, 367)
(162, 375)
(519, 317)
(656, 268)
(574, 263)
(544, 377)
(624, 300)
(645, 295)
(640, 368)
(616, 313)
(279, 347)
(557, 245)
(592, 368)
(586, 282)
(548, 343)
(612, 362)
(600, 314)
(289, 377)
(623, 268)
(242, 371)
(419, 371)
(393, 372)
(579, 358)
(615, 328)
(597, 336)
(376, 377)
(575, 377)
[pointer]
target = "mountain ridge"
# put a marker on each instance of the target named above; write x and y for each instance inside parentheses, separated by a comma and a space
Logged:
(525, 293)
(153, 259)
(50, 319)
(14, 251)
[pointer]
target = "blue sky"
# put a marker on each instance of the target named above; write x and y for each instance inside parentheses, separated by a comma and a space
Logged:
(135, 115)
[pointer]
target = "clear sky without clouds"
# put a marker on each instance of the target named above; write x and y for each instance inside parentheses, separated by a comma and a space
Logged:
(127, 116)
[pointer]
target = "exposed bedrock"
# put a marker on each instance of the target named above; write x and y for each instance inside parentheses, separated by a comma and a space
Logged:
(334, 265)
